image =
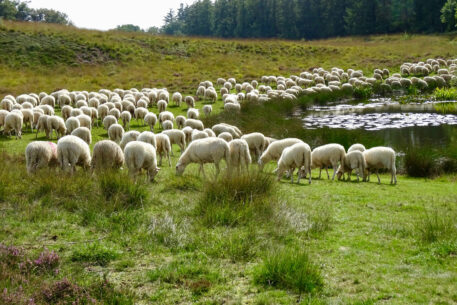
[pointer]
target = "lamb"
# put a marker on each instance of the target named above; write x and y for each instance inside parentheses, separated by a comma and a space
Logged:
(72, 151)
(162, 105)
(239, 155)
(163, 147)
(379, 158)
(126, 117)
(275, 149)
(177, 98)
(141, 155)
(198, 134)
(292, 157)
(129, 137)
(328, 155)
(209, 150)
(148, 137)
(75, 112)
(352, 160)
(194, 124)
(40, 154)
(256, 142)
(107, 155)
(108, 121)
(192, 113)
(3, 114)
(150, 119)
(56, 123)
(180, 120)
(48, 100)
(115, 133)
(13, 121)
(47, 109)
(207, 109)
(83, 133)
(357, 147)
(85, 121)
(227, 137)
(190, 102)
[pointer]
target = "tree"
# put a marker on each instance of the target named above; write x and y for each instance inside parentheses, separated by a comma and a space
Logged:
(449, 14)
(128, 28)
(153, 30)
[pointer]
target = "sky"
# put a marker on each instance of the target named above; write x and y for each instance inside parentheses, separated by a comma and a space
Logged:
(107, 14)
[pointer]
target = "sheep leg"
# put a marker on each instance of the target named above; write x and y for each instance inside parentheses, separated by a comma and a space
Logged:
(169, 159)
(335, 168)
(217, 168)
(377, 174)
(320, 172)
(328, 176)
(160, 160)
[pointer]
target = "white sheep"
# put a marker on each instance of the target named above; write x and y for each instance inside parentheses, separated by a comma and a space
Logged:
(108, 121)
(232, 107)
(380, 158)
(210, 132)
(353, 160)
(256, 142)
(42, 124)
(357, 147)
(72, 151)
(71, 124)
(207, 109)
(190, 102)
(107, 155)
(140, 155)
(328, 155)
(209, 150)
(66, 111)
(162, 106)
(40, 154)
(56, 123)
(115, 133)
(102, 111)
(167, 125)
(211, 94)
(129, 137)
(227, 137)
(292, 157)
(115, 112)
(126, 117)
(222, 127)
(148, 137)
(275, 149)
(239, 155)
(180, 120)
(164, 116)
(85, 121)
(193, 113)
(83, 133)
(188, 132)
(198, 134)
(177, 98)
(176, 137)
(27, 115)
(13, 121)
(194, 124)
(163, 147)
(140, 113)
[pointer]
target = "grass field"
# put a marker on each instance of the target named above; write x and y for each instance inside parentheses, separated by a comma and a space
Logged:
(185, 240)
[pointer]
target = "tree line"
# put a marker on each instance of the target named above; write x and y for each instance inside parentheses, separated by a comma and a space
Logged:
(309, 19)
(20, 11)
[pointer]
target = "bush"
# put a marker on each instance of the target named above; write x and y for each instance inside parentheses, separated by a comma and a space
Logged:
(421, 163)
(289, 269)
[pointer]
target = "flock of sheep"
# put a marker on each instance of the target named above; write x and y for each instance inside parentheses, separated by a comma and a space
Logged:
(81, 110)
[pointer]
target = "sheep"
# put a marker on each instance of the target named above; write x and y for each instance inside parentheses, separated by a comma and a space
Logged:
(227, 137)
(129, 137)
(167, 125)
(162, 106)
(83, 133)
(66, 112)
(256, 142)
(115, 133)
(107, 155)
(231, 107)
(148, 137)
(180, 120)
(163, 147)
(140, 155)
(85, 121)
(210, 132)
(64, 99)
(194, 124)
(13, 121)
(27, 117)
(56, 123)
(207, 109)
(192, 113)
(211, 94)
(40, 154)
(6, 104)
(239, 155)
(357, 147)
(190, 102)
(164, 116)
(198, 134)
(42, 124)
(150, 119)
(209, 150)
(3, 114)
(176, 137)
(48, 100)
(295, 156)
(140, 113)
(328, 155)
(177, 98)
(275, 149)
(108, 121)
(71, 124)
(201, 91)
(352, 160)
(47, 109)
(126, 117)
(72, 151)
(115, 112)
(222, 127)
(102, 111)
(380, 158)
(188, 132)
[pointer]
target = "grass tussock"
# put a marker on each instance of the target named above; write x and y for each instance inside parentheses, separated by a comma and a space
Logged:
(121, 191)
(427, 163)
(289, 269)
(445, 94)
(436, 225)
(95, 253)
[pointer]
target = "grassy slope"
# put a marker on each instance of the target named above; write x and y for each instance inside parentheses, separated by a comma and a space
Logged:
(370, 248)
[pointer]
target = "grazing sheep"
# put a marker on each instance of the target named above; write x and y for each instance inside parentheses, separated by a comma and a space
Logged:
(6, 104)
(140, 113)
(40, 154)
(180, 120)
(256, 142)
(140, 155)
(176, 137)
(107, 155)
(115, 133)
(164, 116)
(47, 109)
(210, 132)
(27, 115)
(13, 121)
(129, 137)
(275, 149)
(163, 147)
(115, 112)
(239, 155)
(231, 107)
(188, 132)
(190, 102)
(85, 121)
(83, 133)
(108, 121)
(66, 112)
(211, 94)
(328, 155)
(194, 124)
(42, 124)
(126, 117)
(72, 151)
(150, 119)
(148, 137)
(102, 111)
(357, 147)
(207, 109)
(167, 125)
(292, 157)
(227, 137)
(198, 134)
(177, 98)
(193, 113)
(162, 105)
(222, 127)
(48, 100)
(56, 123)
(380, 158)
(71, 124)
(209, 150)
(352, 160)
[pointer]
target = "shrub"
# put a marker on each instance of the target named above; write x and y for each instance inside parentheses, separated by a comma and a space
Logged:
(421, 163)
(290, 269)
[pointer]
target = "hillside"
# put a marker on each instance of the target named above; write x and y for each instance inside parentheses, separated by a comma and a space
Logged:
(43, 57)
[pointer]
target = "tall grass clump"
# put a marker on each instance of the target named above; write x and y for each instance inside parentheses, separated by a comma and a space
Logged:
(229, 201)
(289, 269)
(421, 163)
(445, 94)
(436, 225)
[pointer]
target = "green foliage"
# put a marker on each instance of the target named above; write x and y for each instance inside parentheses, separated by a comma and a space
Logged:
(437, 225)
(290, 269)
(94, 253)
(446, 94)
(122, 192)
(19, 10)
(128, 28)
(449, 14)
